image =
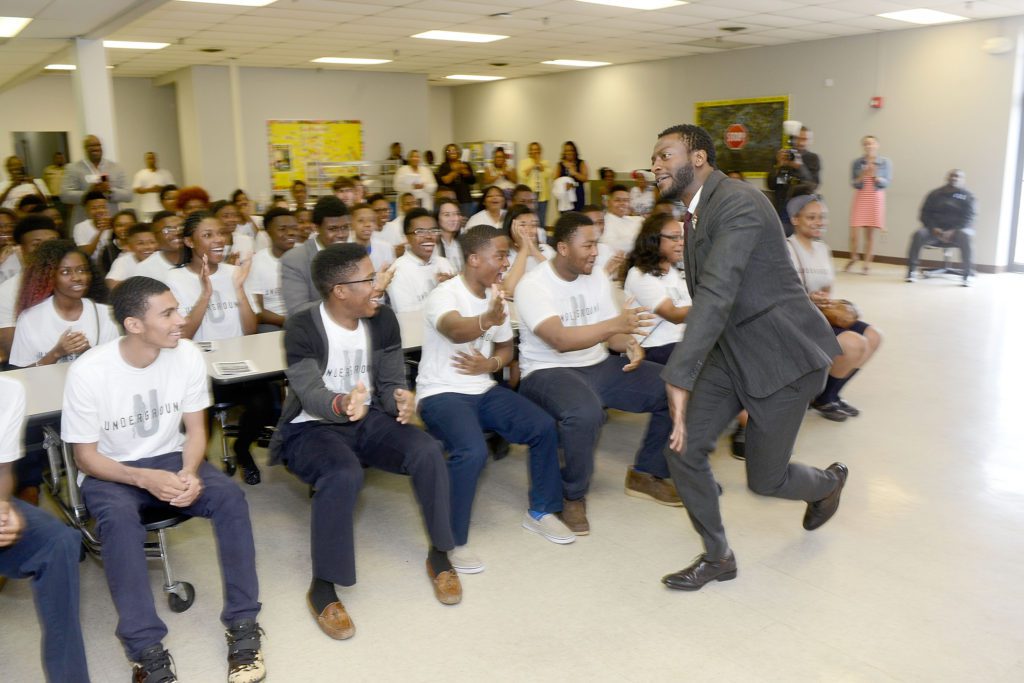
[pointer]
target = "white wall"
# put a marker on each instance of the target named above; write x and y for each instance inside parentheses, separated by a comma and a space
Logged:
(946, 104)
(441, 123)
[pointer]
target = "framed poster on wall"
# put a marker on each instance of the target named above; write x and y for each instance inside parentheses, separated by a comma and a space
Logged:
(747, 133)
(291, 145)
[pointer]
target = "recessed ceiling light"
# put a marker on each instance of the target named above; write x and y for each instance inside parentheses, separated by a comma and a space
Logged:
(460, 36)
(241, 3)
(60, 67)
(133, 45)
(923, 16)
(349, 60)
(471, 77)
(11, 26)
(574, 62)
(637, 4)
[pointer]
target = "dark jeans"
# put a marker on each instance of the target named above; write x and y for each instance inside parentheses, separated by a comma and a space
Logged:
(659, 354)
(459, 421)
(259, 400)
(961, 240)
(331, 457)
(117, 509)
(48, 553)
(577, 397)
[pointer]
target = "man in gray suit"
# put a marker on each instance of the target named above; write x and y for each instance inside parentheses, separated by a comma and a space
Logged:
(93, 173)
(332, 224)
(753, 341)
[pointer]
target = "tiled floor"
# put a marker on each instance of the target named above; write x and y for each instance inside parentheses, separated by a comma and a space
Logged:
(918, 578)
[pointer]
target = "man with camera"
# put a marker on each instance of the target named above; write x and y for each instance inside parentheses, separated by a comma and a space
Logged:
(794, 165)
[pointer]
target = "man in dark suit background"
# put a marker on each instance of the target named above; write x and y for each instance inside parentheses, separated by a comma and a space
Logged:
(753, 341)
(332, 221)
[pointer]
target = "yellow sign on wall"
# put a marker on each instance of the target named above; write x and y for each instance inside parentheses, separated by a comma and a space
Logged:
(291, 145)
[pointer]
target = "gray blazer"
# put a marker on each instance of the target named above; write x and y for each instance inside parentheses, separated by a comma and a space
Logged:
(296, 276)
(74, 186)
(747, 297)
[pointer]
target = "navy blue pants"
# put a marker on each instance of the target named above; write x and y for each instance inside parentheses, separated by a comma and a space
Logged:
(48, 553)
(330, 457)
(459, 421)
(577, 397)
(117, 509)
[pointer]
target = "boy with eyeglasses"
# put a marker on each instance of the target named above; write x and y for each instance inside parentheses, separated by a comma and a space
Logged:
(419, 269)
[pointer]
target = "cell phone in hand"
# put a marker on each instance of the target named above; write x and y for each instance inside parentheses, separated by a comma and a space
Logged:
(465, 155)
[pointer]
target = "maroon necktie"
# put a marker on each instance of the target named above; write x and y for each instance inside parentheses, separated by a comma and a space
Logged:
(687, 227)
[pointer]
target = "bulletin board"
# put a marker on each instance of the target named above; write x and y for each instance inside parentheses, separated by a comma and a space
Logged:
(291, 145)
(758, 121)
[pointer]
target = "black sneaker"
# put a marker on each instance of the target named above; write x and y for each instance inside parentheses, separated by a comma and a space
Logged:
(846, 408)
(245, 661)
(739, 443)
(830, 411)
(154, 666)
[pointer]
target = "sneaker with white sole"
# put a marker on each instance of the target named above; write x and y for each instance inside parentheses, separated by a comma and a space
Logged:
(464, 560)
(550, 527)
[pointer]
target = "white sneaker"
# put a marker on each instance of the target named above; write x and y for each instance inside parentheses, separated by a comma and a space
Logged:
(550, 527)
(464, 560)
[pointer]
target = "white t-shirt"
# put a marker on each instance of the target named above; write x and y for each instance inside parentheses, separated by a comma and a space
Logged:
(37, 186)
(604, 255)
(532, 263)
(382, 252)
(243, 245)
(542, 294)
(12, 419)
(814, 267)
(348, 360)
(8, 300)
(223, 319)
(149, 203)
(620, 232)
(265, 279)
(453, 252)
(641, 203)
(143, 417)
(393, 231)
(406, 177)
(414, 279)
(124, 266)
(484, 218)
(650, 291)
(40, 327)
(85, 231)
(157, 267)
(11, 265)
(437, 374)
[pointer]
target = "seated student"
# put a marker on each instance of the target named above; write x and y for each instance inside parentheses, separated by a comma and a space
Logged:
(393, 231)
(192, 198)
(419, 269)
(162, 387)
(120, 224)
(166, 228)
(449, 218)
(567, 316)
(344, 188)
(306, 226)
(30, 232)
(57, 321)
(526, 252)
(93, 233)
(239, 244)
(34, 544)
(812, 259)
(364, 233)
(10, 262)
(620, 228)
(467, 338)
(332, 224)
(652, 281)
(249, 224)
(491, 208)
(348, 407)
(609, 260)
(264, 281)
(168, 199)
(140, 244)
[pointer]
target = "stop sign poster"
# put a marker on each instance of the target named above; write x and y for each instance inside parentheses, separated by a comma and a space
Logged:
(746, 132)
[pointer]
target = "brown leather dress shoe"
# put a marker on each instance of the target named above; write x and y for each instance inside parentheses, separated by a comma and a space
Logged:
(820, 511)
(334, 620)
(574, 516)
(701, 572)
(447, 587)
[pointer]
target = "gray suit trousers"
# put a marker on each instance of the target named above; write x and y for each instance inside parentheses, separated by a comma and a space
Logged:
(771, 432)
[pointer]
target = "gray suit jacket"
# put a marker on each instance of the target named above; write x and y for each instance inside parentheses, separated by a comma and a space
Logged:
(296, 276)
(747, 297)
(75, 185)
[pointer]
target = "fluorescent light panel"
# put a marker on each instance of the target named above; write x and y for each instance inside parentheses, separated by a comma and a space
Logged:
(637, 4)
(349, 60)
(11, 26)
(471, 77)
(65, 67)
(133, 45)
(574, 62)
(240, 3)
(460, 36)
(923, 16)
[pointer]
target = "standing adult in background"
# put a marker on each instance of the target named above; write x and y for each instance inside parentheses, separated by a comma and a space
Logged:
(793, 166)
(418, 180)
(871, 175)
(946, 218)
(458, 175)
(395, 153)
(536, 174)
(300, 194)
(53, 175)
(500, 174)
(19, 184)
(93, 173)
(148, 184)
(753, 340)
(570, 165)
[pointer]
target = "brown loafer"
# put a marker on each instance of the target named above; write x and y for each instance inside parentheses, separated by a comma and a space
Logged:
(334, 620)
(447, 587)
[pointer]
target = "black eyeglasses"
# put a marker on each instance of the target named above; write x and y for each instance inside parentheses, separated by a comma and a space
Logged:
(674, 238)
(357, 282)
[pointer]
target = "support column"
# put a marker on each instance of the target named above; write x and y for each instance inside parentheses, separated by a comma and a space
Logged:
(94, 95)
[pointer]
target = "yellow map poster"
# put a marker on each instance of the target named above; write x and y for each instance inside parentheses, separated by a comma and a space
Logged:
(291, 145)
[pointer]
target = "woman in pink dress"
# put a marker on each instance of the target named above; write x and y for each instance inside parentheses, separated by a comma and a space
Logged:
(871, 175)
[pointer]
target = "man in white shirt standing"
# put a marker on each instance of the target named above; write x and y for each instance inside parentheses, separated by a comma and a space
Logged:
(264, 281)
(93, 173)
(567, 317)
(147, 185)
(620, 229)
(419, 269)
(131, 448)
